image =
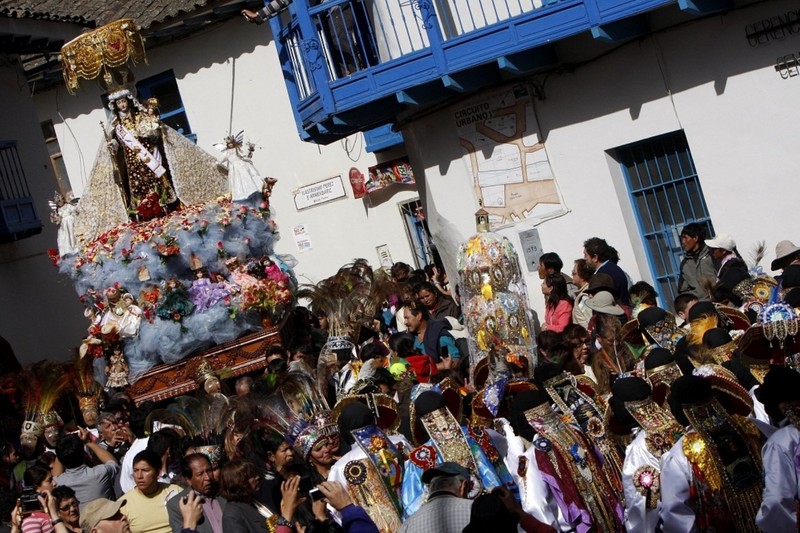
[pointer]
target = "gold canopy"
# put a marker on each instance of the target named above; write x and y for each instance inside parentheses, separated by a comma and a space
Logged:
(105, 50)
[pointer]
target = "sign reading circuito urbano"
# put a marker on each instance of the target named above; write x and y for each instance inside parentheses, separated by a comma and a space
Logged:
(319, 193)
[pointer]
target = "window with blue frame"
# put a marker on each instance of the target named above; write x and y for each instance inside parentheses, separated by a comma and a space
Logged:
(18, 218)
(666, 195)
(170, 105)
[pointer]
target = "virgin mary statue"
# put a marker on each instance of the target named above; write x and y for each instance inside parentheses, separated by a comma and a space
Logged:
(143, 169)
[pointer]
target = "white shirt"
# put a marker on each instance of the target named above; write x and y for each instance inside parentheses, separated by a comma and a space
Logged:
(535, 496)
(778, 510)
(637, 516)
(126, 481)
(676, 479)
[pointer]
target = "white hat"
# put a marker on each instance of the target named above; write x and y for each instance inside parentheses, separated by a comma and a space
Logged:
(783, 250)
(722, 241)
(603, 302)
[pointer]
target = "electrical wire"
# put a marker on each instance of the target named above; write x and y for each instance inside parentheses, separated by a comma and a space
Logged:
(74, 138)
(233, 92)
(349, 151)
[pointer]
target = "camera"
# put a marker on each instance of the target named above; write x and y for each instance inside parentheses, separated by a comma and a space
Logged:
(29, 501)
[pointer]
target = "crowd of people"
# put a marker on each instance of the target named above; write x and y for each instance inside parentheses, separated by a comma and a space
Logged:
(632, 418)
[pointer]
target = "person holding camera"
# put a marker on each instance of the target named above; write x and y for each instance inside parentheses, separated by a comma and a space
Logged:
(28, 516)
(88, 482)
(328, 493)
(199, 473)
(35, 519)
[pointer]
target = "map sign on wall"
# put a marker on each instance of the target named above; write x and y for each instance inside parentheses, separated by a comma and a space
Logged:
(505, 156)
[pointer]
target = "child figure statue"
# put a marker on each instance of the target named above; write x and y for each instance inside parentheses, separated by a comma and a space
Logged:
(116, 370)
(150, 121)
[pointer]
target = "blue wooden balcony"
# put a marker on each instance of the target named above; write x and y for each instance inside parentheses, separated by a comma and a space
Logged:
(352, 65)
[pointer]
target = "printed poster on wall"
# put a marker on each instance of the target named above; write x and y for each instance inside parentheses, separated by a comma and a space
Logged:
(505, 155)
(396, 171)
(301, 238)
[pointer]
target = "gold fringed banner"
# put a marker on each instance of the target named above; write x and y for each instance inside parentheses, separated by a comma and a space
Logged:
(102, 50)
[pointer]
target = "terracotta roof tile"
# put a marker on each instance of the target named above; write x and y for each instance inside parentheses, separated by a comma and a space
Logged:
(99, 12)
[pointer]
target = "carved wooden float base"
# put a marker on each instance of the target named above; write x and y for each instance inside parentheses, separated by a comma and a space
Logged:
(241, 356)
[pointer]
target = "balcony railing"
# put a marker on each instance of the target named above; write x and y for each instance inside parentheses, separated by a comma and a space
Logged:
(352, 35)
(341, 56)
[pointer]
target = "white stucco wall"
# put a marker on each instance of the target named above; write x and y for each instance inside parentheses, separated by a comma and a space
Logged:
(739, 116)
(39, 314)
(207, 65)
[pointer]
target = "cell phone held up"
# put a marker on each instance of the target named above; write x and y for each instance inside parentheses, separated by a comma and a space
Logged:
(315, 494)
(29, 501)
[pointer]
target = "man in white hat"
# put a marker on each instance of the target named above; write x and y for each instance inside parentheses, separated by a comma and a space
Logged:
(786, 253)
(726, 256)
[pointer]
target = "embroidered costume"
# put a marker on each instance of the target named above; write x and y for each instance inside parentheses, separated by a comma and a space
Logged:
(641, 471)
(571, 467)
(712, 477)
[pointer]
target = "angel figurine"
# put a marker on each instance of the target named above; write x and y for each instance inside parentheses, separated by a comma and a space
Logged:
(63, 211)
(243, 179)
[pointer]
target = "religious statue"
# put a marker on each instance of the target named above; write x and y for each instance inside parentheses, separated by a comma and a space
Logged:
(243, 178)
(144, 174)
(121, 312)
(116, 370)
(63, 211)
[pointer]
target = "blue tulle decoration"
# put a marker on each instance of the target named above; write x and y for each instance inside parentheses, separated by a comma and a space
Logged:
(148, 259)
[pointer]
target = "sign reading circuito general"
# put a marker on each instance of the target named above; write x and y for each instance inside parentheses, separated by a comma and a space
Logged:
(319, 193)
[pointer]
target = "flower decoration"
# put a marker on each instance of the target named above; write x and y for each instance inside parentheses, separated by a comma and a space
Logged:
(423, 456)
(595, 427)
(101, 342)
(148, 207)
(647, 481)
(222, 253)
(355, 473)
(377, 443)
(168, 248)
(656, 442)
(54, 256)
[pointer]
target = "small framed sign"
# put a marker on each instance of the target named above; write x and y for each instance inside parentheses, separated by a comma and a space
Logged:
(531, 248)
(319, 193)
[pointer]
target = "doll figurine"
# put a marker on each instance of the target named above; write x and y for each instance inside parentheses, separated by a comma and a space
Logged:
(116, 370)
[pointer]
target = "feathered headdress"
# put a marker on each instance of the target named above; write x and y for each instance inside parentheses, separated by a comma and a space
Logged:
(698, 328)
(350, 297)
(43, 383)
(299, 412)
(204, 421)
(86, 388)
